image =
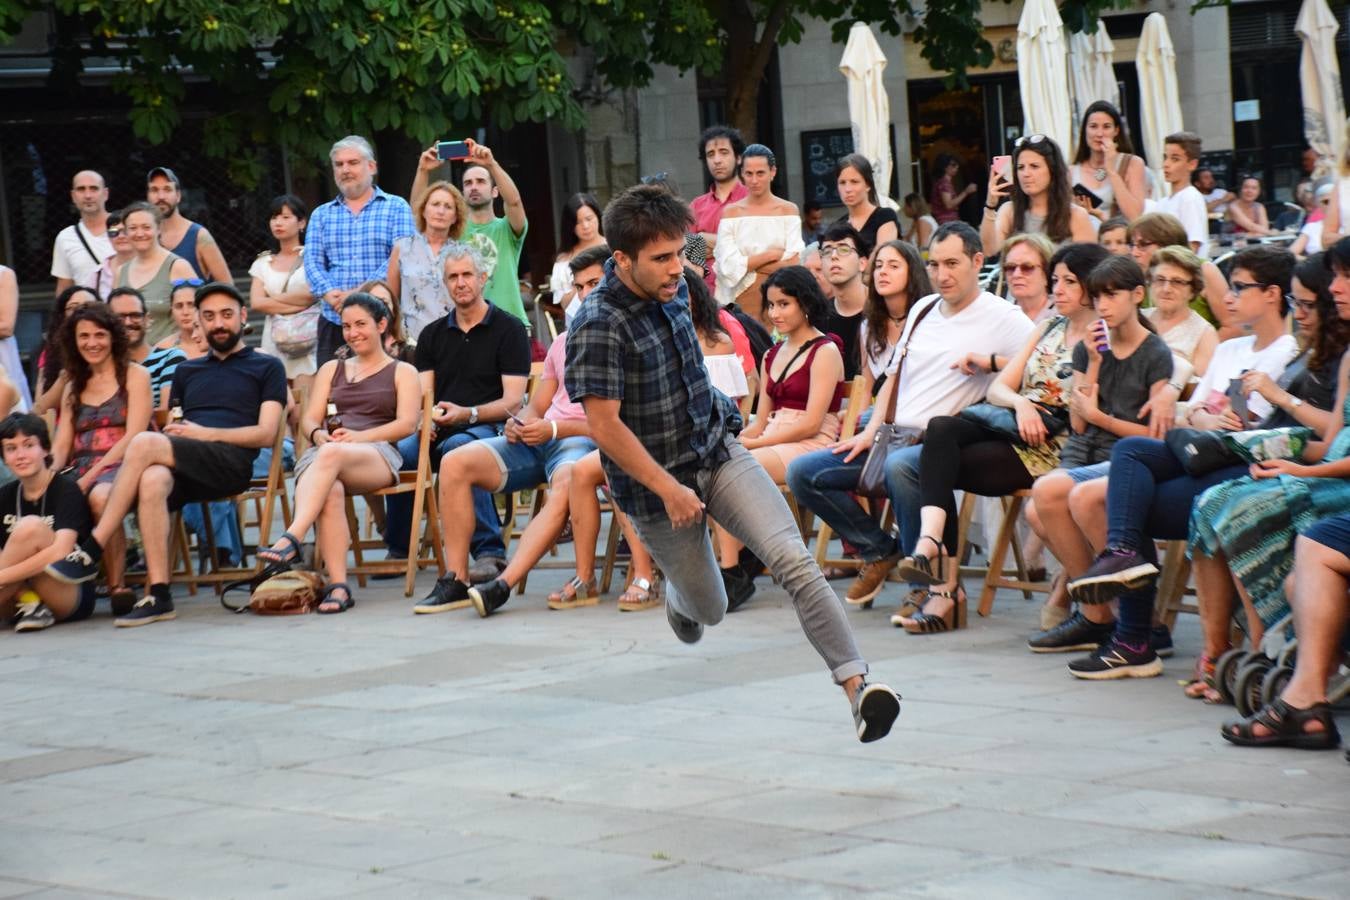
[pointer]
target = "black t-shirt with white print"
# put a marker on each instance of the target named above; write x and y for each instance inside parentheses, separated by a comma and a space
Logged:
(62, 505)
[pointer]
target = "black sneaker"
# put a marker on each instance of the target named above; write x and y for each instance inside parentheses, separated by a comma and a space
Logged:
(875, 709)
(739, 585)
(147, 610)
(1115, 571)
(1116, 660)
(490, 597)
(1074, 633)
(34, 617)
(449, 593)
(1160, 639)
(685, 629)
(80, 564)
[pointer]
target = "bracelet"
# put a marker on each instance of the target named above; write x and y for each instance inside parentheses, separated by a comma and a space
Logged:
(554, 423)
(993, 208)
(993, 363)
(313, 431)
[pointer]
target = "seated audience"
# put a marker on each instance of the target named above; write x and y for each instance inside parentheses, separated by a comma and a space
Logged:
(361, 406)
(1113, 236)
(1151, 232)
(935, 379)
(129, 307)
(1247, 213)
(959, 453)
(187, 334)
(899, 280)
(1040, 202)
(922, 224)
(232, 401)
(844, 253)
(50, 520)
(52, 377)
(1176, 278)
(1115, 382)
(724, 361)
(801, 390)
(1026, 268)
(106, 403)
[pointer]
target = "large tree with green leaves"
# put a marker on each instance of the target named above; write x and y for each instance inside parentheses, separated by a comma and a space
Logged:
(300, 71)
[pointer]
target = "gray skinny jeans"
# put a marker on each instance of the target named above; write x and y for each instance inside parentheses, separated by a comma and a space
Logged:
(743, 499)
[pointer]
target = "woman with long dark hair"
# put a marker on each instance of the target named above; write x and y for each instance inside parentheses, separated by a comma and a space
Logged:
(899, 279)
(580, 229)
(863, 210)
(1041, 201)
(946, 199)
(280, 288)
(105, 404)
(1106, 165)
(52, 376)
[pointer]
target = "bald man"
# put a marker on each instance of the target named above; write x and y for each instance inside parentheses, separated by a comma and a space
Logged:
(80, 249)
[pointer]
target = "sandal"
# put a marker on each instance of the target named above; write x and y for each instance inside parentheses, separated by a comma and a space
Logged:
(335, 606)
(1201, 686)
(1284, 726)
(279, 560)
(574, 594)
(927, 623)
(640, 594)
(918, 569)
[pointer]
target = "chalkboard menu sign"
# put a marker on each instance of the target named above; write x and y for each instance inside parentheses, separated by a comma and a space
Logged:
(1220, 162)
(821, 151)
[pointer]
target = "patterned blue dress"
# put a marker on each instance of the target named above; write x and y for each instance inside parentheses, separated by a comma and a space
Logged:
(1254, 523)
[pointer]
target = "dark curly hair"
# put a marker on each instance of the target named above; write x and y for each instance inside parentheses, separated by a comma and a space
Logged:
(80, 371)
(799, 284)
(54, 361)
(703, 310)
(1333, 332)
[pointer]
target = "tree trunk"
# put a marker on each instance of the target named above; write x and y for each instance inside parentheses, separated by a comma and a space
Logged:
(749, 49)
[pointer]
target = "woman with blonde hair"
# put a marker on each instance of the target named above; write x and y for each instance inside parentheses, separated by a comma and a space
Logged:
(415, 264)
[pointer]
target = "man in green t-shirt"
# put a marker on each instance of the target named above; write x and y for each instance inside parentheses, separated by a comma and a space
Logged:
(497, 240)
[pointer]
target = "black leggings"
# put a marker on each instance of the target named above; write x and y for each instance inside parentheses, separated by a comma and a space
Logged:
(958, 454)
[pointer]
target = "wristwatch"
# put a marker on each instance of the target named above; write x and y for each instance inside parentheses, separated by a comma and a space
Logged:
(473, 415)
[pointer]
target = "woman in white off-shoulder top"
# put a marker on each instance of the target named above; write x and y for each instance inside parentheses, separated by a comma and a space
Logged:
(758, 235)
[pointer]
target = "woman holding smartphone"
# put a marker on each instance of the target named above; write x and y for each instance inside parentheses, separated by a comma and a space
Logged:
(1037, 183)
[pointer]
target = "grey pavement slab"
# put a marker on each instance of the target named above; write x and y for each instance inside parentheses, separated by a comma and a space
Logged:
(590, 754)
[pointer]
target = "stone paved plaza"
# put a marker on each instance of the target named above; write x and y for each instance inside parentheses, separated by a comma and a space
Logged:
(589, 754)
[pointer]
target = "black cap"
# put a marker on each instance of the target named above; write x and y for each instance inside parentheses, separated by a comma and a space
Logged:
(164, 171)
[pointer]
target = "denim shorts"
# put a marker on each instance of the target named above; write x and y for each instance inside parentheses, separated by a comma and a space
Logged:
(1332, 533)
(1089, 473)
(523, 466)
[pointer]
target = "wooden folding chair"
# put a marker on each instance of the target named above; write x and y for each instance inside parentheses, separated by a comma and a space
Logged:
(1173, 586)
(995, 577)
(420, 482)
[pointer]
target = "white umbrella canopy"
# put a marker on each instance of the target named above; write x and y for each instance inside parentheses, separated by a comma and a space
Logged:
(1159, 105)
(1090, 72)
(1042, 73)
(1320, 78)
(869, 108)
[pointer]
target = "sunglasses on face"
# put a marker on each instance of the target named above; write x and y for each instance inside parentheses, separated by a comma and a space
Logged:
(1238, 287)
(114, 232)
(1023, 268)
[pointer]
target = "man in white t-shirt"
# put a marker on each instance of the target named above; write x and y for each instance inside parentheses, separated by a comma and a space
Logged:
(80, 249)
(965, 334)
(1181, 154)
(1217, 197)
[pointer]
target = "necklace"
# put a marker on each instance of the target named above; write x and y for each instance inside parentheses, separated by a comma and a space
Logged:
(897, 320)
(42, 508)
(1100, 173)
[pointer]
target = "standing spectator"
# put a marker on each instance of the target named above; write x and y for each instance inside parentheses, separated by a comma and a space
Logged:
(813, 225)
(52, 377)
(80, 249)
(899, 280)
(1181, 154)
(1217, 197)
(874, 223)
(720, 148)
(180, 235)
(9, 345)
(477, 360)
(758, 235)
(279, 287)
(129, 307)
(1026, 266)
(1106, 165)
(153, 269)
(666, 444)
(232, 401)
(497, 240)
(922, 223)
(946, 199)
(579, 230)
(106, 403)
(349, 238)
(104, 279)
(440, 216)
(1247, 213)
(1041, 203)
(842, 252)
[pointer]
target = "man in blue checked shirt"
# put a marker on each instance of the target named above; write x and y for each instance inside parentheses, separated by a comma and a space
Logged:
(349, 239)
(668, 446)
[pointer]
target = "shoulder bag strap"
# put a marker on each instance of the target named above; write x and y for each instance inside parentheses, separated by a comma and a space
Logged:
(798, 355)
(904, 351)
(87, 249)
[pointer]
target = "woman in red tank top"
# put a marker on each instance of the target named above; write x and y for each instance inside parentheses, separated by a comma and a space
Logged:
(801, 382)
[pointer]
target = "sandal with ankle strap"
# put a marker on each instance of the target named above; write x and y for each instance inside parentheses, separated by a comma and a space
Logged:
(336, 604)
(918, 569)
(1284, 726)
(641, 594)
(1201, 686)
(953, 619)
(279, 560)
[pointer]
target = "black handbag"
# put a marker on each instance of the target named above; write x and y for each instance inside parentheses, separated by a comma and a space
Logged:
(1201, 452)
(889, 436)
(1002, 421)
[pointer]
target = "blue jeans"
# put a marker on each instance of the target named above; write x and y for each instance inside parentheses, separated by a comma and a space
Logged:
(821, 481)
(487, 531)
(743, 499)
(1149, 496)
(224, 527)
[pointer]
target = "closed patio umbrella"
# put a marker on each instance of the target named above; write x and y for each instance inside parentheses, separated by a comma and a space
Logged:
(869, 108)
(1090, 72)
(1319, 76)
(1159, 105)
(1042, 74)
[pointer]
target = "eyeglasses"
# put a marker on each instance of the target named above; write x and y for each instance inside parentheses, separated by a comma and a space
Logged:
(1238, 287)
(1142, 245)
(1159, 282)
(1029, 139)
(1023, 268)
(1305, 305)
(658, 178)
(131, 317)
(186, 282)
(838, 250)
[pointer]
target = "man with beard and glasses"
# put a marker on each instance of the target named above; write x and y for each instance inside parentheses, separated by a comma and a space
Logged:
(179, 234)
(80, 249)
(497, 239)
(349, 239)
(668, 446)
(232, 401)
(128, 305)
